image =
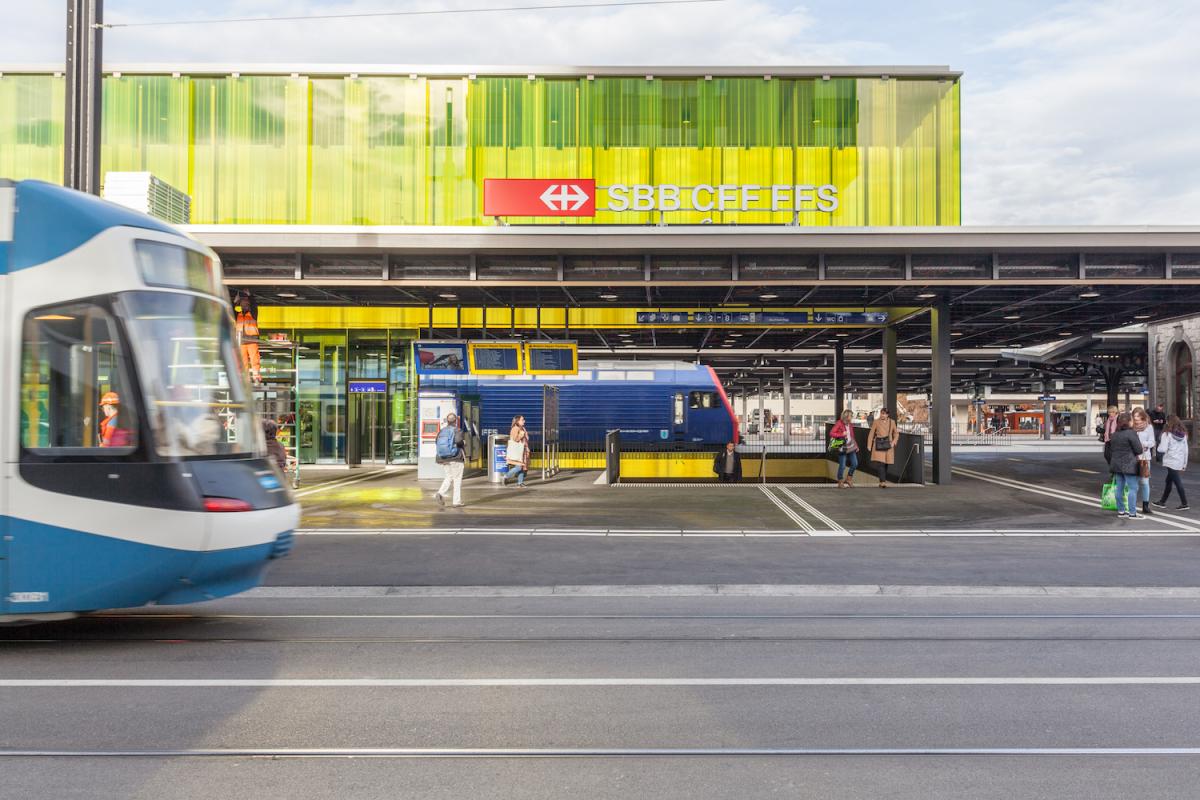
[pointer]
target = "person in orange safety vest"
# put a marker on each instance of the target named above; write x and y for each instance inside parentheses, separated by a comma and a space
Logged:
(247, 327)
(111, 432)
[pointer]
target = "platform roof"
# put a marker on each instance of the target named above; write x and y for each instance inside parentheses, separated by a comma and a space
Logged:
(1007, 287)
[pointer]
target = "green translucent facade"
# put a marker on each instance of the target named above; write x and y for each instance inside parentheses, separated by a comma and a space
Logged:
(396, 150)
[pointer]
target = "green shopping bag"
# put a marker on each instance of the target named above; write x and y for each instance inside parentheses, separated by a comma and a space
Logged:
(1108, 496)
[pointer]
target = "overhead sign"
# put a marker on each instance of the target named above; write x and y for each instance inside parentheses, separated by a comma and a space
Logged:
(533, 197)
(367, 387)
(850, 317)
(440, 358)
(576, 197)
(495, 358)
(1047, 398)
(551, 358)
(761, 318)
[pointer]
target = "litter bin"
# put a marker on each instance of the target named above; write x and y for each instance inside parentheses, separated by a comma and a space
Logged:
(497, 453)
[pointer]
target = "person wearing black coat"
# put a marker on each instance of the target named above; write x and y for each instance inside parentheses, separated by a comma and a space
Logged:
(728, 464)
(1124, 449)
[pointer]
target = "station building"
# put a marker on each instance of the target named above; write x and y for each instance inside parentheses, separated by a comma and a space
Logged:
(364, 207)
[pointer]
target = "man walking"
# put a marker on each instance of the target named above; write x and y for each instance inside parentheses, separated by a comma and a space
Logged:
(450, 456)
(728, 464)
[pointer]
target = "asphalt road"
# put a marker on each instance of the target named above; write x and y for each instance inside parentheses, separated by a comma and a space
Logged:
(601, 697)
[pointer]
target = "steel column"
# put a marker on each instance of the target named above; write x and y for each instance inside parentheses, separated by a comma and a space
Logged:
(1046, 408)
(81, 130)
(889, 368)
(839, 380)
(939, 407)
(787, 405)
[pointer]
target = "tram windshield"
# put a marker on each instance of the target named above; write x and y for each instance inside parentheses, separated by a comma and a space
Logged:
(197, 399)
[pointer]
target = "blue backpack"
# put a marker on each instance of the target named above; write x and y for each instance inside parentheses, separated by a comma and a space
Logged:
(446, 448)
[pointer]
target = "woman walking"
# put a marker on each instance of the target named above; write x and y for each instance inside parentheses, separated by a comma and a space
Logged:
(1145, 431)
(848, 453)
(517, 458)
(881, 443)
(1123, 464)
(1174, 449)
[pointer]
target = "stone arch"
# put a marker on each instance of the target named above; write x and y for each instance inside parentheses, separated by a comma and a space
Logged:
(1181, 379)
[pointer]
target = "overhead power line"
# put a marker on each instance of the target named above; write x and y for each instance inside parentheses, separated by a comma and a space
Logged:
(427, 13)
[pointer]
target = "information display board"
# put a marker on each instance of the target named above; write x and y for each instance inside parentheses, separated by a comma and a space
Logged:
(552, 358)
(496, 358)
(440, 358)
(760, 319)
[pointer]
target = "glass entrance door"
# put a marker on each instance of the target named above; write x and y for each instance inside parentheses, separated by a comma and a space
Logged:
(369, 428)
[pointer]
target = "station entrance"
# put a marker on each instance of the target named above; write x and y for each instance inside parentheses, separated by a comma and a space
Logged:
(970, 318)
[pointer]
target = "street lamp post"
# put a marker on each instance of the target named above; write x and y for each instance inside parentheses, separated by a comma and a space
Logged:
(81, 135)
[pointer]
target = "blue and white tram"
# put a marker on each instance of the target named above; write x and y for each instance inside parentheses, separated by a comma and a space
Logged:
(134, 467)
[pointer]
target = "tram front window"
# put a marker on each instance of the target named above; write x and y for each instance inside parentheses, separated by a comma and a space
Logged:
(197, 399)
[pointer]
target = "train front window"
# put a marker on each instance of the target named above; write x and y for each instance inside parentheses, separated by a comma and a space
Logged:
(197, 400)
(74, 393)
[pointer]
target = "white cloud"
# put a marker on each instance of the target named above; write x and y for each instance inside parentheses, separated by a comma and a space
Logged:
(731, 32)
(1097, 124)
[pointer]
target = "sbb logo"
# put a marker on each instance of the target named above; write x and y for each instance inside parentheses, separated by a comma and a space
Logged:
(534, 197)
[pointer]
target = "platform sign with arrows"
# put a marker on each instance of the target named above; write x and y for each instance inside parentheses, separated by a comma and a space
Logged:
(535, 197)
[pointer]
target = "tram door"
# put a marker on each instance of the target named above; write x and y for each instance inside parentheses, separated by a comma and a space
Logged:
(368, 439)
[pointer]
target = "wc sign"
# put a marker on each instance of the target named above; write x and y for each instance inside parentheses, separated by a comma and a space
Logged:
(576, 197)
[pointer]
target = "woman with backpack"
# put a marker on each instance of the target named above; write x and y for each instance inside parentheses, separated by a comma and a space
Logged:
(881, 443)
(1125, 448)
(847, 452)
(1174, 449)
(517, 457)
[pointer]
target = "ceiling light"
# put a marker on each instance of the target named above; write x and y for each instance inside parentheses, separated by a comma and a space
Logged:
(1088, 293)
(1012, 316)
(1065, 333)
(926, 295)
(734, 335)
(726, 345)
(956, 333)
(286, 294)
(448, 296)
(608, 296)
(843, 335)
(1142, 316)
(767, 296)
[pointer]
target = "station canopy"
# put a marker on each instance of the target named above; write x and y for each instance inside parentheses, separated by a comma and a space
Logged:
(1007, 289)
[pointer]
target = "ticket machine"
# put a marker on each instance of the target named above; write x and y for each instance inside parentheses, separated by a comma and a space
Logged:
(432, 408)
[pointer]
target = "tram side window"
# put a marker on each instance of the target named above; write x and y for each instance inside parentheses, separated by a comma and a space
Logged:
(73, 389)
(703, 400)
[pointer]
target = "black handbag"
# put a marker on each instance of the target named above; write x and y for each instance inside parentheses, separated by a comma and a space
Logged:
(884, 442)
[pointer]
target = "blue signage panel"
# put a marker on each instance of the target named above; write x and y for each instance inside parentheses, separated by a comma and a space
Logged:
(850, 317)
(1047, 398)
(367, 387)
(761, 318)
(440, 358)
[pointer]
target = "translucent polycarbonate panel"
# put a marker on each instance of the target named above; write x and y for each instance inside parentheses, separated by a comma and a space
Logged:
(400, 150)
(31, 127)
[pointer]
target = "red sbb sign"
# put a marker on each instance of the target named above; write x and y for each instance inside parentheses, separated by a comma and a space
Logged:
(535, 197)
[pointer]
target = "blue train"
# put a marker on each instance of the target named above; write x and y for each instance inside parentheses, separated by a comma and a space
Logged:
(671, 402)
(135, 469)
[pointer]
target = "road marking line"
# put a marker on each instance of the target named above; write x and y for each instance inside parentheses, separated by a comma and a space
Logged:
(438, 683)
(812, 509)
(782, 506)
(341, 482)
(1071, 497)
(1109, 533)
(1086, 471)
(600, 752)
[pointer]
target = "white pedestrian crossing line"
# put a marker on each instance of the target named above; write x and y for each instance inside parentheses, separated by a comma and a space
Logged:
(810, 508)
(594, 682)
(792, 515)
(806, 532)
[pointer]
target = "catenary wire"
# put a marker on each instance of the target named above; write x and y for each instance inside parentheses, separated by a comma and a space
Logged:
(423, 13)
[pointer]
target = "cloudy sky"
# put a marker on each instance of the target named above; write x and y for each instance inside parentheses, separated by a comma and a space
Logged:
(1073, 112)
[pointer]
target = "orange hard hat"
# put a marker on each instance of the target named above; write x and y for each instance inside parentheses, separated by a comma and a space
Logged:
(110, 399)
